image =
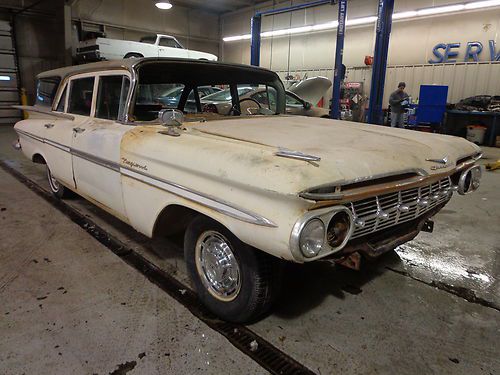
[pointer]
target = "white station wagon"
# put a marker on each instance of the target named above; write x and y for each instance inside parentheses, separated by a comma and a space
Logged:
(251, 188)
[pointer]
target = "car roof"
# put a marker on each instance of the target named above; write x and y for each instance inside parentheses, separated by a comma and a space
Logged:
(132, 64)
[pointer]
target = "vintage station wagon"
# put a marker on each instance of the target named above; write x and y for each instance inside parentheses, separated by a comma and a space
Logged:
(249, 188)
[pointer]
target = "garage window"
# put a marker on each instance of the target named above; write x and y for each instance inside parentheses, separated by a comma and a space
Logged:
(80, 96)
(111, 97)
(46, 89)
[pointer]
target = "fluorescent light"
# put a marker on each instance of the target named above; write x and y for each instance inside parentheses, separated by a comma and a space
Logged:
(164, 5)
(439, 10)
(361, 21)
(402, 15)
(371, 19)
(326, 26)
(5, 78)
(236, 38)
(482, 4)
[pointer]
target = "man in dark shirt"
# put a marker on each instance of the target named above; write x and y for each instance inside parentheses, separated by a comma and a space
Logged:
(397, 100)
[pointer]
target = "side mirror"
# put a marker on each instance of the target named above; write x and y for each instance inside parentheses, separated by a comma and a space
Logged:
(171, 117)
(307, 106)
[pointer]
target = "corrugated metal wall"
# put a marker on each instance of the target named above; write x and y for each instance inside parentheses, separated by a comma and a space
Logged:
(463, 79)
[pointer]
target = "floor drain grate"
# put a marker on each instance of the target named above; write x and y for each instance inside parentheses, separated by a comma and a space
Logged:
(262, 351)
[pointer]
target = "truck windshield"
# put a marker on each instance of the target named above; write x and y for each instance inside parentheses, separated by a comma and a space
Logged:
(185, 85)
(150, 39)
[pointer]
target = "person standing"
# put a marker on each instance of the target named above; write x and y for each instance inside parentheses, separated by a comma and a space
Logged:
(396, 100)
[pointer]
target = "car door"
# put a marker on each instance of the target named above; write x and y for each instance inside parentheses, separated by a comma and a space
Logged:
(59, 131)
(96, 147)
(169, 47)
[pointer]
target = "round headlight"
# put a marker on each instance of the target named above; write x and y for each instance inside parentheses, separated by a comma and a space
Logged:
(312, 238)
(469, 180)
(338, 229)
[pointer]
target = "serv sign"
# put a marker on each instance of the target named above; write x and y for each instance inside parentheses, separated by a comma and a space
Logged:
(449, 52)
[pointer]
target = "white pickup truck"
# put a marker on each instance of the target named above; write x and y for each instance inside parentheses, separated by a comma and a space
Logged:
(149, 46)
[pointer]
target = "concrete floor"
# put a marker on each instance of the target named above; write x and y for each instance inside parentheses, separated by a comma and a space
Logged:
(80, 300)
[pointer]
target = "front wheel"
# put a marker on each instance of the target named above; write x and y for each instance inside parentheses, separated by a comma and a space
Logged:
(235, 281)
(57, 189)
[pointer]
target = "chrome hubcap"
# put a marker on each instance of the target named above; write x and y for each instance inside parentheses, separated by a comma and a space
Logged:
(54, 185)
(217, 266)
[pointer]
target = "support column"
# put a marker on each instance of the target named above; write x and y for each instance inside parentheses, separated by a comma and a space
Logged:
(383, 33)
(338, 71)
(255, 46)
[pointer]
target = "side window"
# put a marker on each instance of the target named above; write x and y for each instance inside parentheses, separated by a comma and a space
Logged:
(62, 101)
(46, 89)
(111, 97)
(169, 42)
(80, 96)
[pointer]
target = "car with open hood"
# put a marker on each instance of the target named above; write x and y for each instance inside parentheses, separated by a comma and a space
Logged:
(249, 189)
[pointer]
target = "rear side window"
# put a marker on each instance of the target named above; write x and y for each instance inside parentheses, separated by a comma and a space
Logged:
(111, 97)
(169, 42)
(80, 96)
(46, 89)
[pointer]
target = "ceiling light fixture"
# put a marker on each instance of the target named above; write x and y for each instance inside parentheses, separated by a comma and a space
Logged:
(372, 19)
(163, 5)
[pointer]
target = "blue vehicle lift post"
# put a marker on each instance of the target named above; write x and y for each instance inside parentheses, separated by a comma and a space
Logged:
(256, 25)
(338, 71)
(383, 33)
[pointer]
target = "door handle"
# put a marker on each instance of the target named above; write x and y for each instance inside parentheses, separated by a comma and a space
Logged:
(48, 126)
(78, 130)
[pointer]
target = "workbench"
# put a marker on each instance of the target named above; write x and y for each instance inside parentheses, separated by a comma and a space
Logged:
(457, 121)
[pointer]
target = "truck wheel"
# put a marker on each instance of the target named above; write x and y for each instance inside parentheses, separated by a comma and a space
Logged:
(235, 281)
(57, 189)
(132, 56)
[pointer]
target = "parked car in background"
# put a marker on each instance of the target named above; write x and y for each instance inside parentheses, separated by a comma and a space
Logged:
(158, 45)
(254, 99)
(171, 97)
(247, 189)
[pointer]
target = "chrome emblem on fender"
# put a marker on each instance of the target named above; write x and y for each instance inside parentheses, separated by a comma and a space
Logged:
(440, 161)
(443, 161)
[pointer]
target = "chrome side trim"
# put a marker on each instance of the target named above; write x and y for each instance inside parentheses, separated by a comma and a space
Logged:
(171, 187)
(43, 111)
(57, 145)
(29, 135)
(198, 197)
(96, 160)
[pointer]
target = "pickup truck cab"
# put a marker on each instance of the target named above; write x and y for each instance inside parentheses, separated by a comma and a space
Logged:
(158, 45)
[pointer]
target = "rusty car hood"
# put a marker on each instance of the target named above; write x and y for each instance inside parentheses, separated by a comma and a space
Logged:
(348, 150)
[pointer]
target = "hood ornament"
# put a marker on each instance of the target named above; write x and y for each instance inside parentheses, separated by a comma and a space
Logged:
(439, 161)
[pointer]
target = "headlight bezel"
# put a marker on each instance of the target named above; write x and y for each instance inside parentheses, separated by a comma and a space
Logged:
(466, 187)
(325, 215)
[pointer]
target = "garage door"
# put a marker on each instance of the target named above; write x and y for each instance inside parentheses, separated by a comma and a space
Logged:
(9, 94)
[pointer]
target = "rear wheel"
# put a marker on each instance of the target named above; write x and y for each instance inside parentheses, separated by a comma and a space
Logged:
(235, 281)
(57, 189)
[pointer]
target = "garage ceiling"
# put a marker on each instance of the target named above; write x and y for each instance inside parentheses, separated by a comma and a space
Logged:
(218, 6)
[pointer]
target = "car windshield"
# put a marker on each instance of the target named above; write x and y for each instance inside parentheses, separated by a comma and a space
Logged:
(151, 39)
(182, 85)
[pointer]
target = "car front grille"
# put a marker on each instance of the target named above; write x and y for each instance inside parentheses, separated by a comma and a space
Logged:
(383, 211)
